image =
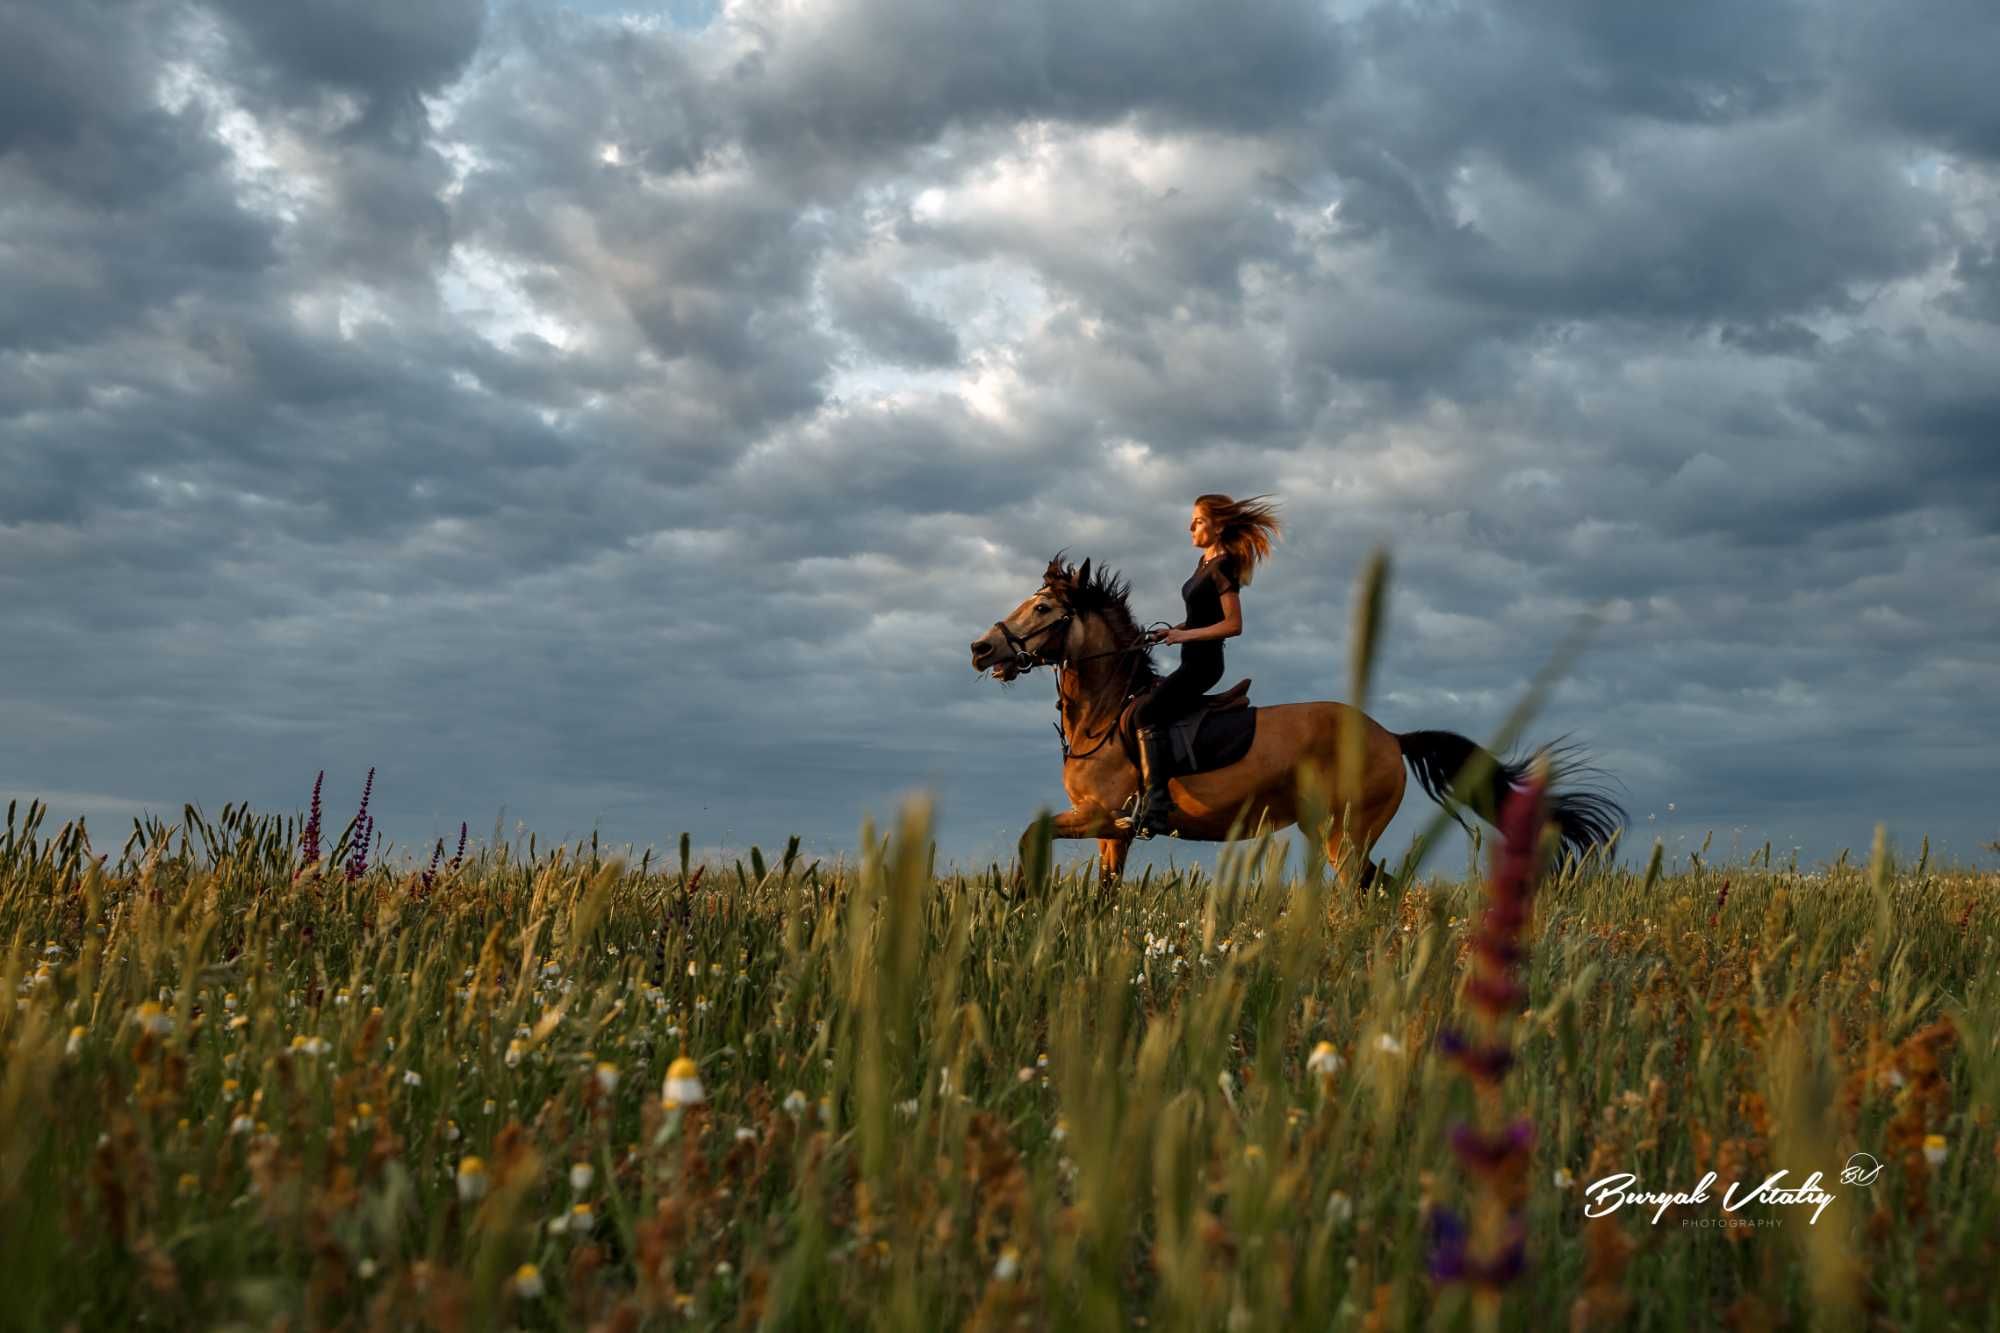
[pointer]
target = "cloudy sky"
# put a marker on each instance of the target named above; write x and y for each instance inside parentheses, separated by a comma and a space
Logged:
(625, 415)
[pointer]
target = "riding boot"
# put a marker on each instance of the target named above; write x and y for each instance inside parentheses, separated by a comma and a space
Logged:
(1155, 806)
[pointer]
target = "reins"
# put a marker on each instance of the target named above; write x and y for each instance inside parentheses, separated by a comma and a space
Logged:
(1019, 643)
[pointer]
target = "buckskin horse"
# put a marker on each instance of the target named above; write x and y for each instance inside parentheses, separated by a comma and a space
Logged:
(1080, 624)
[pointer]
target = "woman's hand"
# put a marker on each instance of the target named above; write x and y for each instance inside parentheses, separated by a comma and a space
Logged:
(1172, 634)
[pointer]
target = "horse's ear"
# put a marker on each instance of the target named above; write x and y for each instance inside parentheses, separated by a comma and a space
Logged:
(1054, 573)
(1083, 573)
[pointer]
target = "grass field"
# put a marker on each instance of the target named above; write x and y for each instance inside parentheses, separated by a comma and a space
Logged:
(243, 1092)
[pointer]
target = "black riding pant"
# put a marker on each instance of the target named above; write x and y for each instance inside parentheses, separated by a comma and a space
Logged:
(1177, 695)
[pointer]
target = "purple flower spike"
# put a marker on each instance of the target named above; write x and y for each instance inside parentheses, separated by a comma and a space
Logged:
(1486, 1064)
(1447, 1252)
(1486, 1152)
(309, 839)
(1506, 1266)
(364, 831)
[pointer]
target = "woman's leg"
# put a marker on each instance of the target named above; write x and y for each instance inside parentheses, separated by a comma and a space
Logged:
(1177, 695)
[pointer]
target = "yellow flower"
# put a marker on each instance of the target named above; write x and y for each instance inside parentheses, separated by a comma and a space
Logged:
(1934, 1149)
(528, 1282)
(1324, 1061)
(683, 1086)
(471, 1178)
(607, 1077)
(1009, 1266)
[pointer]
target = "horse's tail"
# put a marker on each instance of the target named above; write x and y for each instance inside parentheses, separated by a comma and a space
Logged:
(1584, 816)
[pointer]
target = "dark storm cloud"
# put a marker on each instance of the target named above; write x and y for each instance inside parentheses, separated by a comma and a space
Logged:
(383, 50)
(630, 423)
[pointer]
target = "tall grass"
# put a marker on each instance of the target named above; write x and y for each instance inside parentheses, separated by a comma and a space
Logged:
(240, 1091)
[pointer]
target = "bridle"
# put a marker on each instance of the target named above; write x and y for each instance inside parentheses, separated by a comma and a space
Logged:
(1035, 658)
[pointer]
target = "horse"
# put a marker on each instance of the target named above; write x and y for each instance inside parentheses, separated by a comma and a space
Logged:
(1081, 624)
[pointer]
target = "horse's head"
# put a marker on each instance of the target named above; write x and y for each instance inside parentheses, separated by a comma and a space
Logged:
(1075, 616)
(1035, 632)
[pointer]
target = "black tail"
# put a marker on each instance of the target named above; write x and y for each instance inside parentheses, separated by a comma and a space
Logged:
(1585, 816)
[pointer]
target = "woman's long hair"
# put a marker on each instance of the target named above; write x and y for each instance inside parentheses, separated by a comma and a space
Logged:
(1247, 527)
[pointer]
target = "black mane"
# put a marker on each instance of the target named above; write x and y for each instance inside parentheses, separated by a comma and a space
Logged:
(1103, 592)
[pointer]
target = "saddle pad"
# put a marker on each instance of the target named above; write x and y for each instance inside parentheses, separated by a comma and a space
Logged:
(1209, 739)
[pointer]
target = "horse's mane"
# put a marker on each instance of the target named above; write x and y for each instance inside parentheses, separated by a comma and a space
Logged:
(1103, 592)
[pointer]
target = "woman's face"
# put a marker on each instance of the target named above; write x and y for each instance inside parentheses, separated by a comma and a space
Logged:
(1199, 530)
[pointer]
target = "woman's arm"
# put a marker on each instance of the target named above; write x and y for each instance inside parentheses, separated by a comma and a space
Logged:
(1228, 627)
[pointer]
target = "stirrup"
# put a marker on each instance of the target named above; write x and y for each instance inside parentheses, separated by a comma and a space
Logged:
(1134, 820)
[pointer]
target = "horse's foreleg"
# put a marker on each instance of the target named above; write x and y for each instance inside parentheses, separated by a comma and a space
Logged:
(1111, 854)
(1087, 822)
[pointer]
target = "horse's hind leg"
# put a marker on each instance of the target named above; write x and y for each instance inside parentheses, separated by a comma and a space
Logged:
(1349, 849)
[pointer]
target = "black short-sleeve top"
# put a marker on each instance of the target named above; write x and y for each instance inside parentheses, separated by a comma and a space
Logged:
(1203, 595)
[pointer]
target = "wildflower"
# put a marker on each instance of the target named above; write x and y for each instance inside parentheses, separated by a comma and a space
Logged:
(908, 1108)
(1324, 1060)
(1387, 1044)
(1934, 1149)
(515, 1050)
(1042, 1060)
(1026, 1074)
(451, 1131)
(528, 1282)
(580, 1176)
(309, 838)
(340, 997)
(683, 1085)
(471, 1179)
(745, 1134)
(242, 1124)
(75, 1042)
(488, 1106)
(412, 1079)
(1488, 1154)
(1563, 1178)
(1253, 1156)
(581, 1219)
(365, 1270)
(1339, 1208)
(364, 1115)
(559, 1224)
(364, 833)
(314, 1045)
(607, 1077)
(1009, 1266)
(724, 1268)
(1061, 1130)
(154, 1019)
(188, 1184)
(229, 1002)
(795, 1103)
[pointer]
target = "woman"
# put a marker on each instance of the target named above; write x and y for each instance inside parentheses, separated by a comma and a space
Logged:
(1234, 535)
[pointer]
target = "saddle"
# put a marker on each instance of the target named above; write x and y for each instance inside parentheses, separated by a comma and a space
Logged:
(1215, 733)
